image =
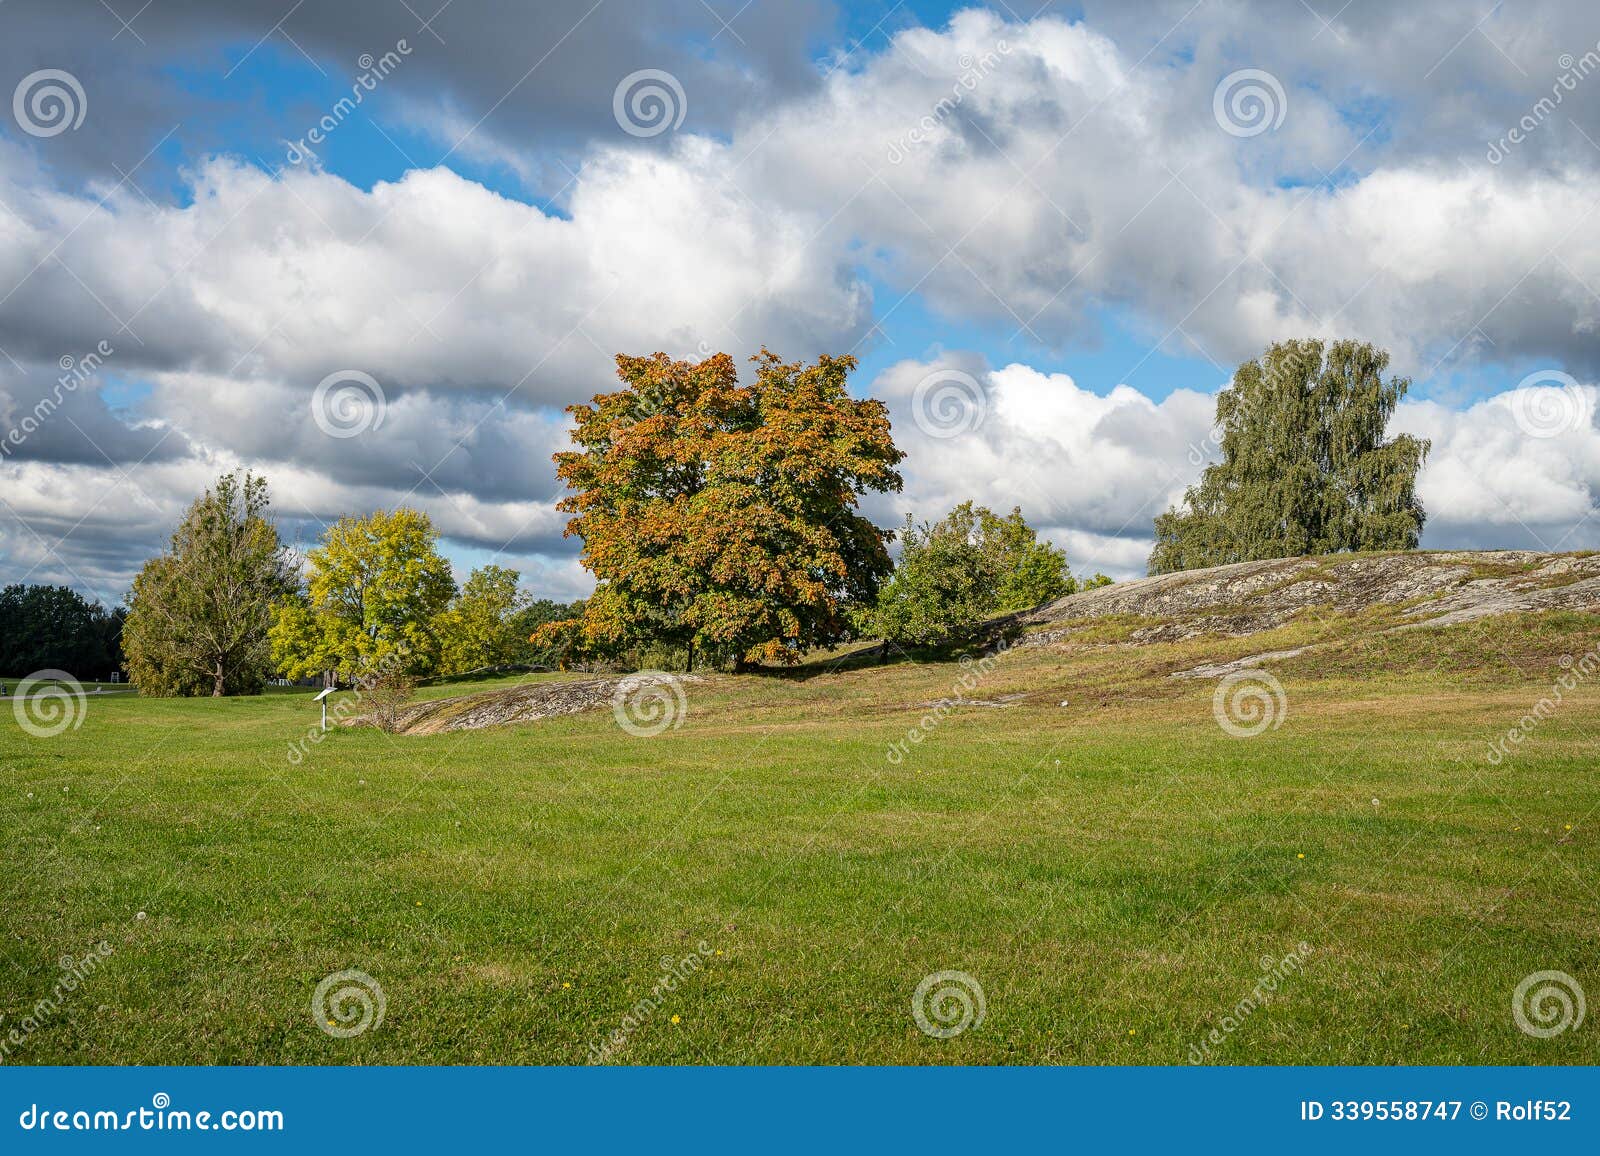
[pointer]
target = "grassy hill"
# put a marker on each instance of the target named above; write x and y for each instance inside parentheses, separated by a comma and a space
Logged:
(1075, 829)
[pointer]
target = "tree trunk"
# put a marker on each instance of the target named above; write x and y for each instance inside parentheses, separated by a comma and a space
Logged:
(688, 667)
(216, 685)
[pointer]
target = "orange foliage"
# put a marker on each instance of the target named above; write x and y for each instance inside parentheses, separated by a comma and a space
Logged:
(723, 516)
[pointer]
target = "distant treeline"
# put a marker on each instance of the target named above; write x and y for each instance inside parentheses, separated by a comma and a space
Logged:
(56, 628)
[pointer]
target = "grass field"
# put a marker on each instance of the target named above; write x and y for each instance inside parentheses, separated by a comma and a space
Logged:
(1117, 874)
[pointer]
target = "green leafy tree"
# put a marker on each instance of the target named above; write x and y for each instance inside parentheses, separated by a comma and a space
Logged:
(56, 628)
(939, 594)
(374, 588)
(1305, 468)
(530, 622)
(722, 517)
(198, 615)
(967, 567)
(481, 626)
(1025, 571)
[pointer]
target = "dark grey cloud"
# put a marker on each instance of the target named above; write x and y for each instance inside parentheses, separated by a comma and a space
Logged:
(537, 77)
(59, 414)
(1435, 78)
(423, 442)
(94, 541)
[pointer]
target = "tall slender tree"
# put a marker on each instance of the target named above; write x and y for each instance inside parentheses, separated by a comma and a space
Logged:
(1305, 468)
(198, 615)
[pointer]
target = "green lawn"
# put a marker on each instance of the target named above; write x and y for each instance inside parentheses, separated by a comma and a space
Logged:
(1113, 872)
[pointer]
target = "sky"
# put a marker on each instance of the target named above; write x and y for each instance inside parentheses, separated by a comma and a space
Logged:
(372, 248)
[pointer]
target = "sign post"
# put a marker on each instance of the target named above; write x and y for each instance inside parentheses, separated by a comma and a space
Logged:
(323, 699)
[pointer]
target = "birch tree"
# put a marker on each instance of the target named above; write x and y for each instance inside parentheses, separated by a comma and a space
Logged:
(1305, 465)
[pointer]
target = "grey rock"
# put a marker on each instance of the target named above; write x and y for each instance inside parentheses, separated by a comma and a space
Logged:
(1432, 588)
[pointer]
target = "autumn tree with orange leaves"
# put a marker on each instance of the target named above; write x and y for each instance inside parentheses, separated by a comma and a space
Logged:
(722, 517)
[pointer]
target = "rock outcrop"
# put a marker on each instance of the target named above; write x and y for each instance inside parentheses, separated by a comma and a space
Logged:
(644, 699)
(1428, 587)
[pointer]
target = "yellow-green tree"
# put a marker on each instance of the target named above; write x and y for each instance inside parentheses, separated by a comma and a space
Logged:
(373, 590)
(482, 627)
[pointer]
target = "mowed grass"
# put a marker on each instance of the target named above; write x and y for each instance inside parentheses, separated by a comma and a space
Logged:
(1117, 874)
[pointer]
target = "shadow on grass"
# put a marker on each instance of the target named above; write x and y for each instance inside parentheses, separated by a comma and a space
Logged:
(484, 674)
(995, 635)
